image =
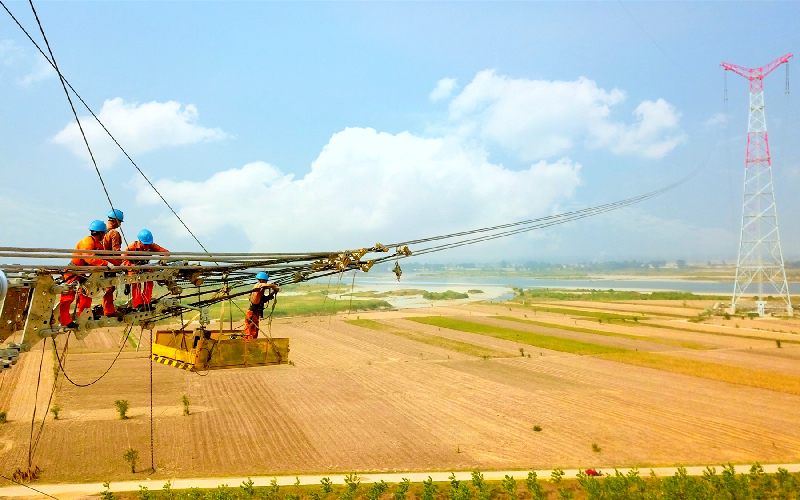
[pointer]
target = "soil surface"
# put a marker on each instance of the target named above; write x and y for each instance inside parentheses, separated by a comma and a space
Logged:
(359, 399)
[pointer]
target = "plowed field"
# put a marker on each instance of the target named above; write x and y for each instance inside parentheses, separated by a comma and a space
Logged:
(372, 399)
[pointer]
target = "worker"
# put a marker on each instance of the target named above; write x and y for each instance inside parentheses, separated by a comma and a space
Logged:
(257, 301)
(94, 241)
(112, 241)
(142, 293)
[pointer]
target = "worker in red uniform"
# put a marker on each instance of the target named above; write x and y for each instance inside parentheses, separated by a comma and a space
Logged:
(258, 298)
(94, 241)
(112, 241)
(142, 294)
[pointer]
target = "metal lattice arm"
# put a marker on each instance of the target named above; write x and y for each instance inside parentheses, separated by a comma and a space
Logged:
(761, 72)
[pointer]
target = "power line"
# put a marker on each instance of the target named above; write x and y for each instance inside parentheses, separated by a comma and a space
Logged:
(102, 125)
(52, 61)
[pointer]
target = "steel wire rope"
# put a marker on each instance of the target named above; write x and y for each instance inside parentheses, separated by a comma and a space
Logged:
(53, 63)
(152, 441)
(602, 208)
(65, 81)
(575, 215)
(29, 487)
(49, 402)
(61, 364)
(35, 405)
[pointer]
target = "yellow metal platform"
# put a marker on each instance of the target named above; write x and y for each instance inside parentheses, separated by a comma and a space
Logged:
(202, 350)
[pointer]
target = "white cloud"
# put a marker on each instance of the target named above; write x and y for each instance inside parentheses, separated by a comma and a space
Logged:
(138, 127)
(41, 71)
(717, 119)
(443, 89)
(539, 119)
(366, 187)
(9, 52)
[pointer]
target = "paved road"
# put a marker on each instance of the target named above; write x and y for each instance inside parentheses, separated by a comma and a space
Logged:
(68, 491)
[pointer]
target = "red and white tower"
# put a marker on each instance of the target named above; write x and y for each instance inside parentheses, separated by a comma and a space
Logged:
(760, 260)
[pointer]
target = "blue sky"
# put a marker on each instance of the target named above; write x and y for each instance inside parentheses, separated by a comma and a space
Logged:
(316, 126)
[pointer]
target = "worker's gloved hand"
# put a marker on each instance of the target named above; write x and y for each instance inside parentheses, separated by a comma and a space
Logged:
(110, 265)
(127, 289)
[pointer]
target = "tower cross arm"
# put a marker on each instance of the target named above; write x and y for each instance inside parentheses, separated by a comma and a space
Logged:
(761, 72)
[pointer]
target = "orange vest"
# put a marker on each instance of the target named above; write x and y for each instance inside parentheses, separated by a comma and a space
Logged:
(138, 246)
(89, 243)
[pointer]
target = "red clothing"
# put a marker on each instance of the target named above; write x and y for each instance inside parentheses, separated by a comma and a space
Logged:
(257, 301)
(142, 292)
(251, 320)
(84, 302)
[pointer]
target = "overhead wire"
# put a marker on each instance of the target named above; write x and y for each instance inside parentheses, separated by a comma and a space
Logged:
(52, 61)
(29, 487)
(102, 125)
(113, 362)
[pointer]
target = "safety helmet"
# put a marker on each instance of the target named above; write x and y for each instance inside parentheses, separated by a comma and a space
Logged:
(115, 214)
(262, 276)
(98, 226)
(145, 237)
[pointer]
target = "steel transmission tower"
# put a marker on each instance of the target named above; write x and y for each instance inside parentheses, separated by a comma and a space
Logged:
(760, 260)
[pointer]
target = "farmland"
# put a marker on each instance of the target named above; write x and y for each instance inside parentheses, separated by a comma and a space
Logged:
(455, 387)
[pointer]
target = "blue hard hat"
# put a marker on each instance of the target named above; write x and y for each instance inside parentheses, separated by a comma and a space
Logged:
(145, 237)
(115, 214)
(262, 276)
(98, 226)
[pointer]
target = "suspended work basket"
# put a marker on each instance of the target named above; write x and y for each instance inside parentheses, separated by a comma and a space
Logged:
(202, 350)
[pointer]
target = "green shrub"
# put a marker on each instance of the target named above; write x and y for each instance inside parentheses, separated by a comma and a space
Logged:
(556, 476)
(107, 494)
(534, 487)
(122, 408)
(510, 487)
(537, 428)
(596, 448)
(145, 494)
(481, 486)
(247, 491)
(185, 402)
(327, 485)
(429, 490)
(167, 493)
(3, 417)
(376, 490)
(272, 490)
(447, 295)
(402, 489)
(352, 482)
(55, 410)
(131, 456)
(458, 489)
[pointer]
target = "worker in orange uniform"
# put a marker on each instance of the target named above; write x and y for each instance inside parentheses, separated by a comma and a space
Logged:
(142, 294)
(112, 241)
(94, 241)
(258, 298)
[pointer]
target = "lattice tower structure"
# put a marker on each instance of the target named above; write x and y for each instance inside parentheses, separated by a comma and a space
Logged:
(760, 260)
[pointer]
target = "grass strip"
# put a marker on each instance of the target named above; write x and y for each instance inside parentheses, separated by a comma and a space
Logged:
(676, 343)
(587, 314)
(614, 295)
(301, 305)
(535, 339)
(721, 334)
(434, 340)
(760, 379)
